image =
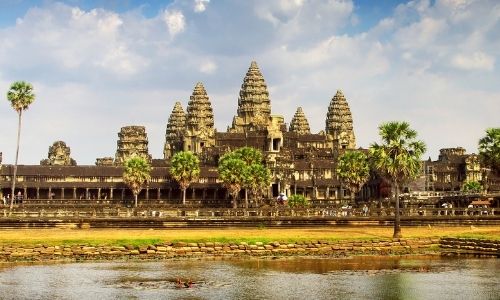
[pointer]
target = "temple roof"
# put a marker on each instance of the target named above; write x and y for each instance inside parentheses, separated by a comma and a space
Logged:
(176, 123)
(339, 121)
(299, 122)
(199, 111)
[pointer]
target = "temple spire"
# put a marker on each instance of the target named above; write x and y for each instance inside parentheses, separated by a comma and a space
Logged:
(299, 123)
(339, 122)
(199, 131)
(175, 128)
(254, 106)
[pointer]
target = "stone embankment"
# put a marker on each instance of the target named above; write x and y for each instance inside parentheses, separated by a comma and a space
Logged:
(216, 249)
(466, 246)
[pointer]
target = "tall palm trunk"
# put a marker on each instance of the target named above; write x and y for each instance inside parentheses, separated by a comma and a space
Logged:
(184, 196)
(15, 164)
(397, 220)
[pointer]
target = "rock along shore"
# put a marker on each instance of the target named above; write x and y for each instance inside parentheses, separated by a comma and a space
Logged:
(168, 250)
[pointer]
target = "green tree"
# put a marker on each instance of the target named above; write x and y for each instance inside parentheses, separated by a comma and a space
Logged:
(353, 170)
(297, 201)
(256, 178)
(250, 156)
(231, 171)
(20, 96)
(136, 174)
(489, 148)
(397, 158)
(185, 168)
(471, 187)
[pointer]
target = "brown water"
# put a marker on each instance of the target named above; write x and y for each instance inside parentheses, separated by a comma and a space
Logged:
(287, 278)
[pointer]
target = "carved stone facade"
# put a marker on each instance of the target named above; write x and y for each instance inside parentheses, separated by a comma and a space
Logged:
(299, 123)
(132, 141)
(175, 130)
(339, 123)
(104, 161)
(199, 131)
(254, 106)
(59, 155)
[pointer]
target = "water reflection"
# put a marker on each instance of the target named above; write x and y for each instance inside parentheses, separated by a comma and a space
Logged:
(287, 278)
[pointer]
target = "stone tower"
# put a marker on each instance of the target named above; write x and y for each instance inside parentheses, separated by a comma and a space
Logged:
(132, 141)
(199, 131)
(254, 106)
(339, 123)
(175, 129)
(59, 155)
(299, 123)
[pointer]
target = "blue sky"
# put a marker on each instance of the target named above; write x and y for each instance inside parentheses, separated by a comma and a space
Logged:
(100, 65)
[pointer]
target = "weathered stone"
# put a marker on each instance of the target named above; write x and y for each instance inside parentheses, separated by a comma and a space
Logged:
(299, 123)
(59, 155)
(132, 141)
(339, 123)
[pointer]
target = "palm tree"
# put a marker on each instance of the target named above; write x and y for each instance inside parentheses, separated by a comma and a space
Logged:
(397, 158)
(353, 170)
(20, 96)
(136, 174)
(489, 148)
(250, 156)
(231, 171)
(256, 178)
(471, 187)
(184, 168)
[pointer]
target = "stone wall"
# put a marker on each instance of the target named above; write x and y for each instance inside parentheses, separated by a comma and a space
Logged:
(467, 246)
(167, 250)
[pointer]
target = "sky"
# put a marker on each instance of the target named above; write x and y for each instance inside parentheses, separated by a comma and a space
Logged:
(97, 66)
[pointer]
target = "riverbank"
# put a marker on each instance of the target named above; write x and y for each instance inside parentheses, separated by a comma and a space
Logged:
(93, 244)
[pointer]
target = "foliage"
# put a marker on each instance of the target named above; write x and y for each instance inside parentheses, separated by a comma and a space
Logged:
(397, 158)
(136, 174)
(489, 148)
(298, 201)
(243, 168)
(472, 187)
(353, 170)
(20, 96)
(184, 168)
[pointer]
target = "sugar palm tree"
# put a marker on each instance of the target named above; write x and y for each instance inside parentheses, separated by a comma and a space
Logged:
(256, 178)
(397, 158)
(353, 170)
(20, 96)
(184, 168)
(250, 156)
(231, 171)
(136, 174)
(489, 148)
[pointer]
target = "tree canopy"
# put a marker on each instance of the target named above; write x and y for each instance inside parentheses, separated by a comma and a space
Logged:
(185, 168)
(489, 148)
(353, 170)
(397, 158)
(136, 174)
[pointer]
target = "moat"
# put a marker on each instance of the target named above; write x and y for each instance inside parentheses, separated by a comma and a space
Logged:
(285, 278)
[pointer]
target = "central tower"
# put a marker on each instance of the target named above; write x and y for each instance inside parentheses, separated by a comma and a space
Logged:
(254, 106)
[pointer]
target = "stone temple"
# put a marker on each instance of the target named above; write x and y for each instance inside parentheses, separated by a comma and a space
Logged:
(301, 162)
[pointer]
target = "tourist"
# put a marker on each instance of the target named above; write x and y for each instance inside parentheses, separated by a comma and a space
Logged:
(365, 210)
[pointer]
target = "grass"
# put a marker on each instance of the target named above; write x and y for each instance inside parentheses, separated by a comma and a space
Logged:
(146, 237)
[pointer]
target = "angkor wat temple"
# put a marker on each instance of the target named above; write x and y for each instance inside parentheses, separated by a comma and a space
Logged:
(301, 162)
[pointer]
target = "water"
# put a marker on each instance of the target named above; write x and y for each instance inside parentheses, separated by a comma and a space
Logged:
(287, 278)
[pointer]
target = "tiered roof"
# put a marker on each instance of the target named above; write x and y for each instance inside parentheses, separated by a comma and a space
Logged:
(175, 128)
(339, 121)
(200, 115)
(299, 123)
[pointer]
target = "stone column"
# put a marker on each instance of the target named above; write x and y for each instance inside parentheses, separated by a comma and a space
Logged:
(193, 195)
(38, 193)
(204, 194)
(327, 193)
(50, 193)
(99, 193)
(158, 193)
(62, 193)
(147, 194)
(111, 193)
(169, 193)
(87, 193)
(74, 193)
(123, 194)
(25, 195)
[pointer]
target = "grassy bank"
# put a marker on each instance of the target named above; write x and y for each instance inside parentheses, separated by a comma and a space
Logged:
(144, 237)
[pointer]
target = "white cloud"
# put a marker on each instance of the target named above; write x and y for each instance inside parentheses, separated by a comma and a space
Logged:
(175, 21)
(208, 67)
(200, 5)
(475, 61)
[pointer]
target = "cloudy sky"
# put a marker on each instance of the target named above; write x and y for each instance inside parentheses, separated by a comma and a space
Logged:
(99, 65)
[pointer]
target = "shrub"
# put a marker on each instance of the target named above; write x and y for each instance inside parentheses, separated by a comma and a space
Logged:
(298, 201)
